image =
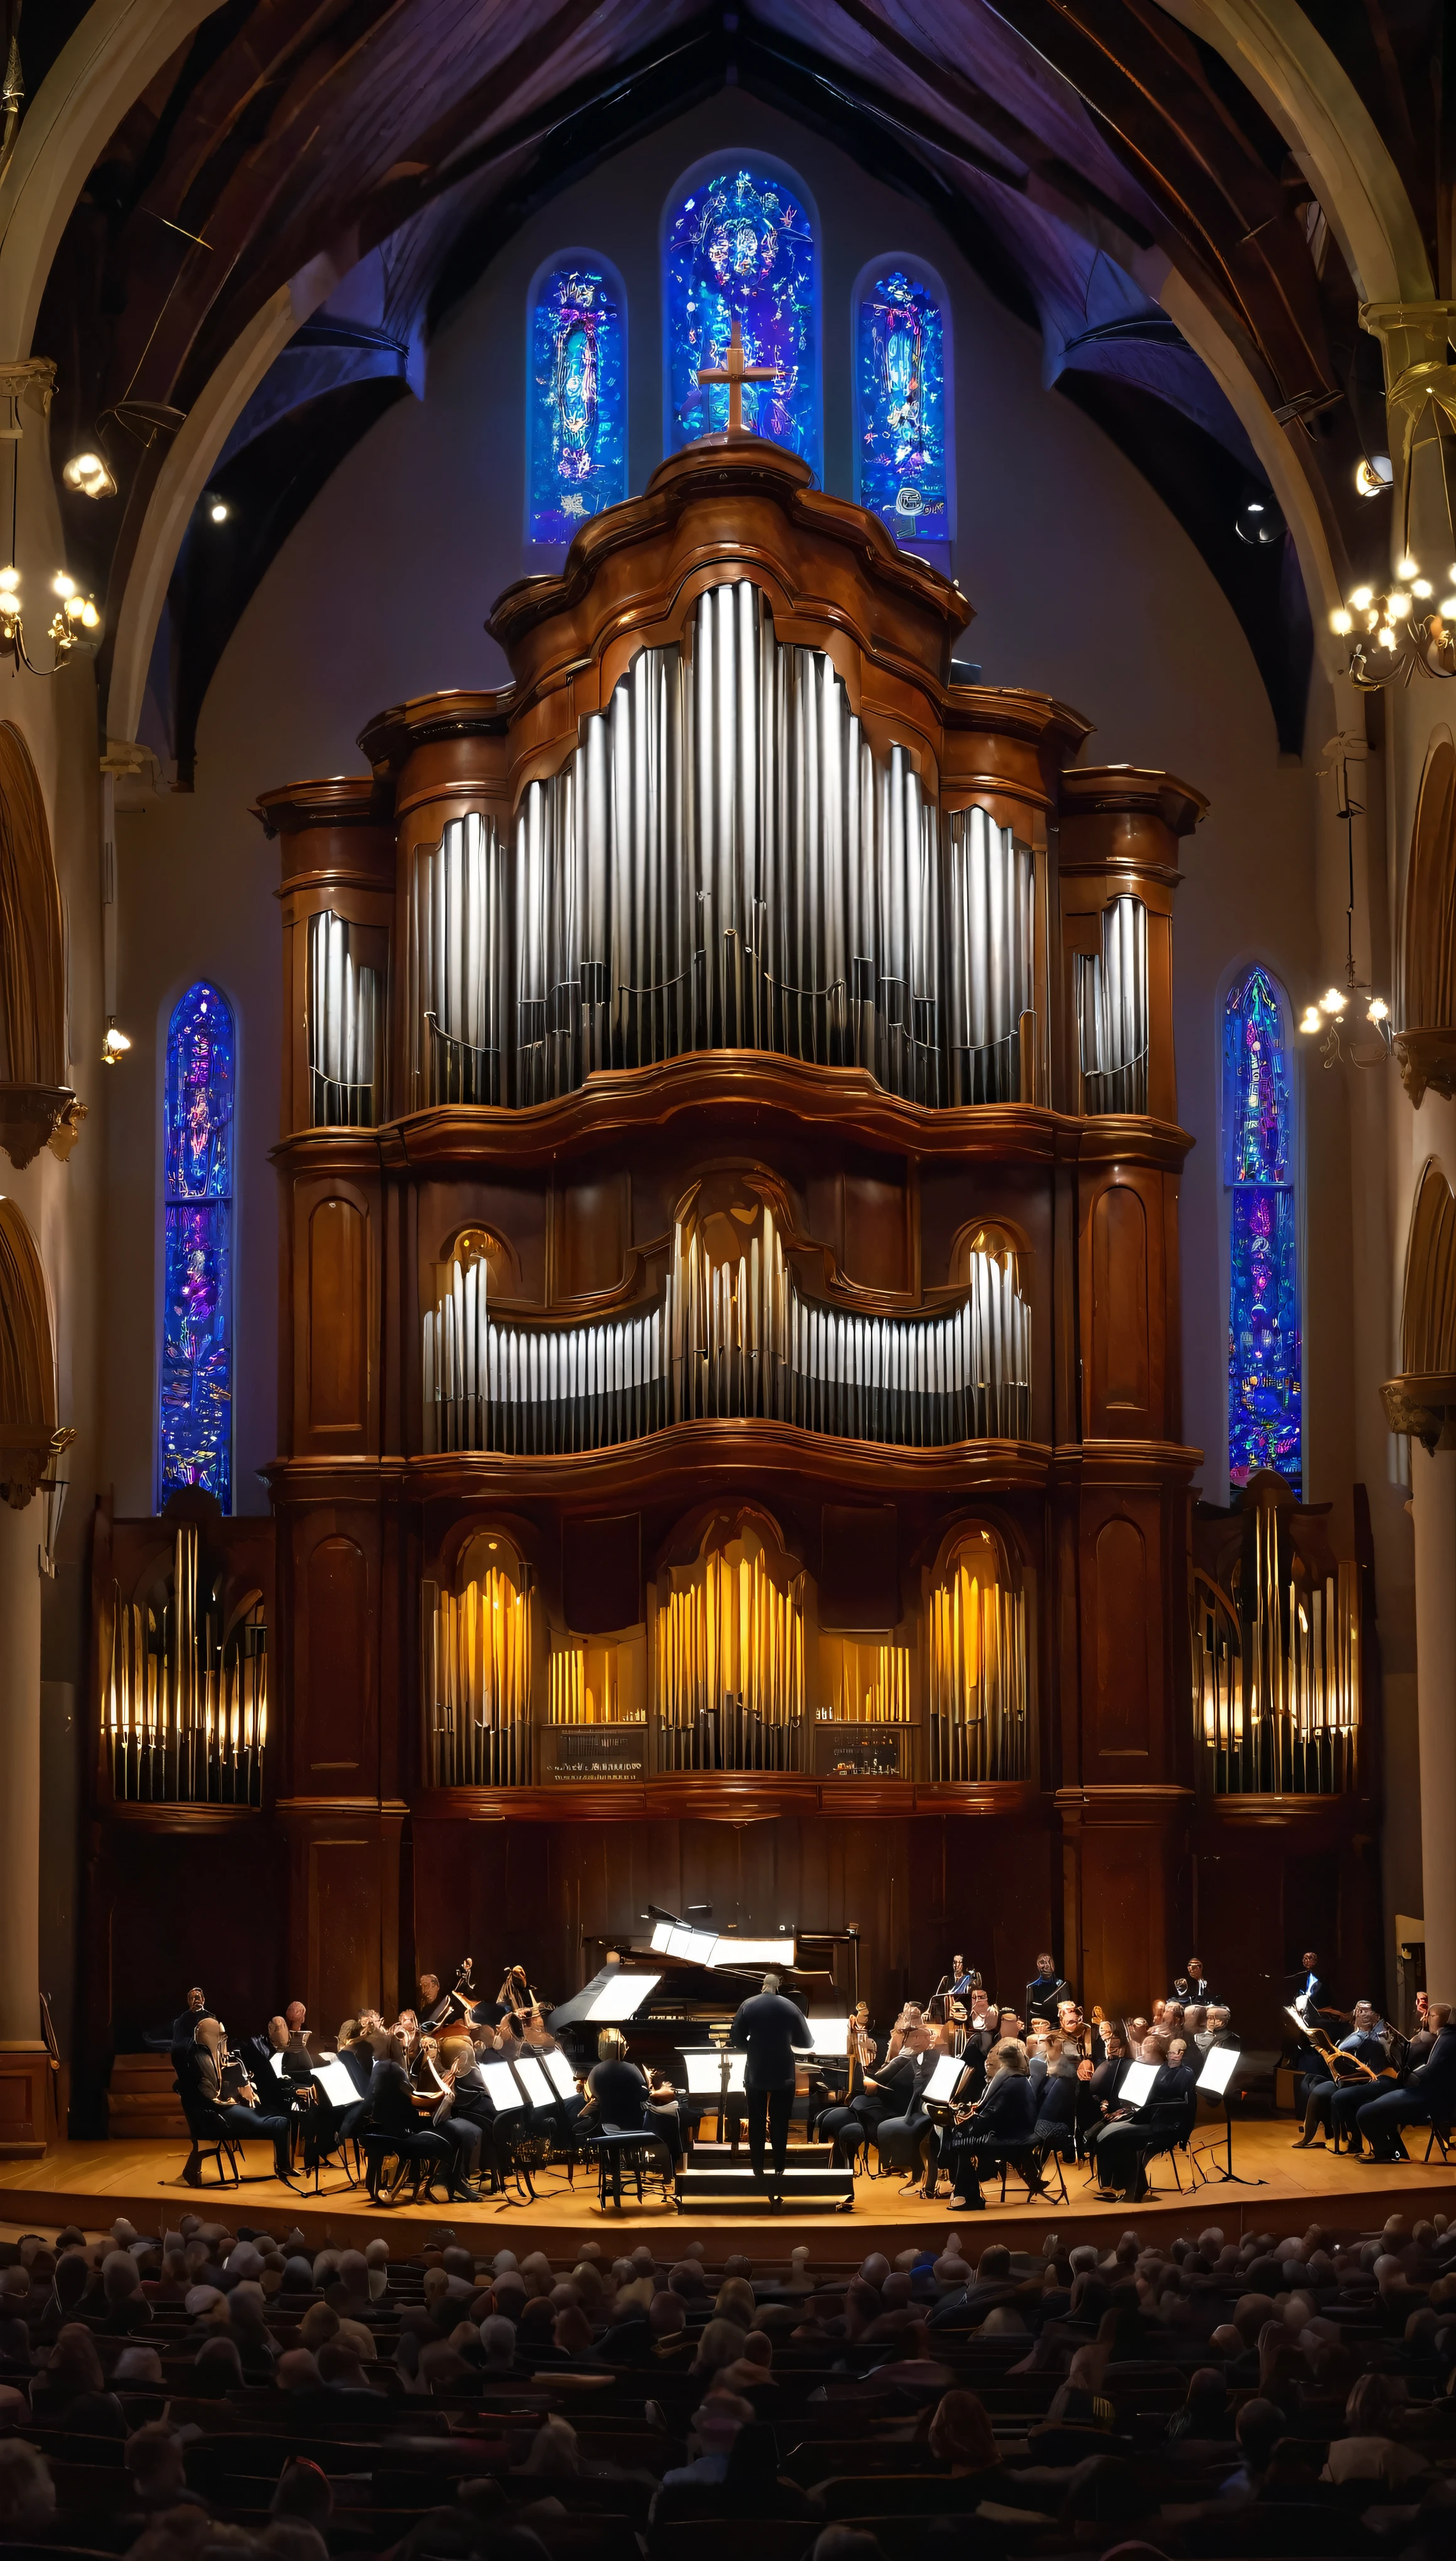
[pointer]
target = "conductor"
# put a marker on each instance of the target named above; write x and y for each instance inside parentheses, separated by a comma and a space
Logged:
(767, 2029)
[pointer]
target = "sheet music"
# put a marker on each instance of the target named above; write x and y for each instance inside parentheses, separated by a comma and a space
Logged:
(1220, 2065)
(943, 2081)
(533, 2079)
(561, 2074)
(831, 2035)
(621, 1995)
(705, 2076)
(500, 2082)
(1137, 2083)
(334, 2080)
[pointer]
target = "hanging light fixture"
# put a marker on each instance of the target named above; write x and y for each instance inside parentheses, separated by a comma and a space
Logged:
(1404, 625)
(1324, 1017)
(52, 1488)
(76, 620)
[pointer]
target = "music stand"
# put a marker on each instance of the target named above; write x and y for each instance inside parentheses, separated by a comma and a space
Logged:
(1220, 2065)
(716, 2074)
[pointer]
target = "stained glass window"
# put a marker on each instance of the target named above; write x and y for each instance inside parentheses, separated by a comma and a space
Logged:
(899, 382)
(1264, 1367)
(195, 1422)
(578, 401)
(740, 244)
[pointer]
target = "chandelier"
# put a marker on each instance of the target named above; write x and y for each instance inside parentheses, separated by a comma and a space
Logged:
(1407, 626)
(74, 619)
(1326, 1017)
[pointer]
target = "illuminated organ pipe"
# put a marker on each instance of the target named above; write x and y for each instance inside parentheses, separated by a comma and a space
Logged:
(1113, 1012)
(729, 1339)
(184, 1706)
(722, 863)
(342, 1006)
(730, 1664)
(978, 1686)
(479, 1653)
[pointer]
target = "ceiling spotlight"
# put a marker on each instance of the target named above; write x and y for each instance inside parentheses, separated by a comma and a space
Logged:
(1372, 474)
(1258, 521)
(88, 473)
(220, 511)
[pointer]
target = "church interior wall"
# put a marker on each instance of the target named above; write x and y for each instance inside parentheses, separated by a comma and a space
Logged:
(1077, 575)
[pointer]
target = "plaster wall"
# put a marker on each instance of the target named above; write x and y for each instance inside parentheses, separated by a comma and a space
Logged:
(1083, 584)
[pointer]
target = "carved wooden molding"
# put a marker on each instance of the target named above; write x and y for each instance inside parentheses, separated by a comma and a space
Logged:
(1418, 1401)
(30, 1437)
(33, 1117)
(1427, 1062)
(32, 932)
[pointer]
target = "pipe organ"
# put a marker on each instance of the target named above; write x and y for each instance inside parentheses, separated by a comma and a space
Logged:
(731, 1445)
(185, 1689)
(1277, 1671)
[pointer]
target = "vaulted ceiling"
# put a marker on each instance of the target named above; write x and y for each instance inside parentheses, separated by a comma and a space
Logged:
(1075, 151)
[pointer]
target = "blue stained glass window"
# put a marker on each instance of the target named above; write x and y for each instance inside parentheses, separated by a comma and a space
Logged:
(900, 380)
(1264, 1423)
(578, 401)
(195, 1422)
(740, 245)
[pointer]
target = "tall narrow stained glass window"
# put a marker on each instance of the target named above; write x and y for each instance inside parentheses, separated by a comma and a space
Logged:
(899, 385)
(1265, 1366)
(194, 1420)
(740, 245)
(578, 401)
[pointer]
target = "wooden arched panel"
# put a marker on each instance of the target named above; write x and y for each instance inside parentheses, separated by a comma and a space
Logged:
(31, 937)
(337, 1664)
(1428, 926)
(1429, 1299)
(1123, 1389)
(1124, 1608)
(338, 1308)
(27, 1361)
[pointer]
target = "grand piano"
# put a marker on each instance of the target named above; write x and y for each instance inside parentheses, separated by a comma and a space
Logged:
(678, 1990)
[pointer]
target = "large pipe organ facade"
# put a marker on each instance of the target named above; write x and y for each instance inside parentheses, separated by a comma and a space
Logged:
(729, 1401)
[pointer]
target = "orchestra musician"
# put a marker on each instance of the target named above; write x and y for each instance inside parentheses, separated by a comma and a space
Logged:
(1046, 1988)
(1004, 2115)
(1163, 2112)
(434, 2006)
(1428, 2096)
(1332, 2104)
(223, 2086)
(185, 2023)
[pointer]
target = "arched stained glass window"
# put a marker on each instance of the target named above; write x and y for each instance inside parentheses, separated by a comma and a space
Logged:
(578, 398)
(740, 244)
(900, 400)
(194, 1420)
(1264, 1364)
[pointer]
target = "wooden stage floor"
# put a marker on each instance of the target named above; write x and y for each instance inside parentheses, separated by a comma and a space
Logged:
(90, 2183)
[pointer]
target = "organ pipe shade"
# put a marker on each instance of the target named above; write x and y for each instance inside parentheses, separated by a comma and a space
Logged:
(585, 1687)
(478, 1660)
(978, 1681)
(871, 1684)
(343, 1026)
(184, 1706)
(729, 1671)
(722, 862)
(1113, 1012)
(730, 1335)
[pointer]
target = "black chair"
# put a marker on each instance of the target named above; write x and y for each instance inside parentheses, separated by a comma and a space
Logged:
(1440, 2138)
(211, 2141)
(637, 2150)
(1047, 2154)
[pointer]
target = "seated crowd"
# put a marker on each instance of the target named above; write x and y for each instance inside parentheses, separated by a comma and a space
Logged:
(208, 2391)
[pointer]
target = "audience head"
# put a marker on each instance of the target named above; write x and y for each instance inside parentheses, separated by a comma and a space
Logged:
(154, 2459)
(303, 2491)
(961, 2433)
(26, 2491)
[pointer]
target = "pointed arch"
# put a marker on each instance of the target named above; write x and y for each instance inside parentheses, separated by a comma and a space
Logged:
(740, 241)
(1261, 1170)
(1428, 1294)
(576, 394)
(904, 401)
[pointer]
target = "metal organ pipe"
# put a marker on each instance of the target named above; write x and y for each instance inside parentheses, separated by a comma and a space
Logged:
(342, 1029)
(1112, 1010)
(728, 1338)
(721, 862)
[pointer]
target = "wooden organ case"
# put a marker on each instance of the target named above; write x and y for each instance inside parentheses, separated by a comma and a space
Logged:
(729, 1379)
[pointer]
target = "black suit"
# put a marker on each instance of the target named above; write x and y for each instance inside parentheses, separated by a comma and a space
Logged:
(767, 2028)
(1005, 2119)
(1044, 1991)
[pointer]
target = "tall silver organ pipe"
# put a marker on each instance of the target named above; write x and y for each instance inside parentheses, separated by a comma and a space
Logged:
(989, 974)
(343, 1026)
(729, 1339)
(461, 995)
(722, 863)
(1113, 1012)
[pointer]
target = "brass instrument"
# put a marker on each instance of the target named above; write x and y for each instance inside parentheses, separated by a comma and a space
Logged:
(1342, 2067)
(862, 2050)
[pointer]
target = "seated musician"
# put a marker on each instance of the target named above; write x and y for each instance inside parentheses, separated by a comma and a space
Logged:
(1104, 2080)
(1427, 2095)
(1003, 2117)
(1339, 2099)
(1046, 1988)
(393, 2113)
(1057, 2095)
(434, 2006)
(236, 2100)
(1192, 1984)
(903, 2137)
(467, 2117)
(300, 2034)
(964, 1979)
(1119, 2146)
(184, 2026)
(620, 2097)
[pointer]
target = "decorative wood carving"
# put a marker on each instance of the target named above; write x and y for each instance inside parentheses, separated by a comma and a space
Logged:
(38, 1107)
(29, 1437)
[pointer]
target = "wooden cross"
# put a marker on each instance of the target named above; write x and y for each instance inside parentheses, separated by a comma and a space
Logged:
(734, 372)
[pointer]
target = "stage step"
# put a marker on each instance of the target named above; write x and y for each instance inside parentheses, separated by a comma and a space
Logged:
(715, 2177)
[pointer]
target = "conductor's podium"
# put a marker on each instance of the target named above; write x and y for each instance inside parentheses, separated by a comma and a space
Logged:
(721, 2177)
